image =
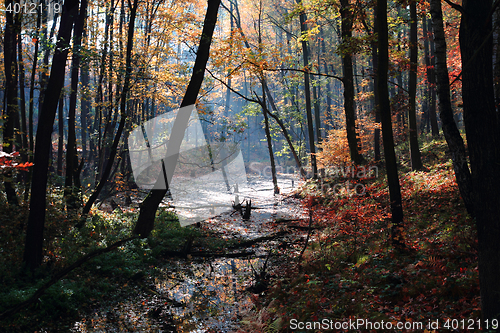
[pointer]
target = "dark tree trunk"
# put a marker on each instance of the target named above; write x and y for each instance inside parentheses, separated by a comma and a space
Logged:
(328, 86)
(11, 102)
(265, 111)
(307, 92)
(450, 130)
(416, 161)
(386, 119)
(22, 101)
(425, 123)
(432, 95)
(376, 99)
(32, 85)
(145, 222)
(32, 102)
(483, 139)
(60, 141)
(71, 154)
(349, 106)
(85, 108)
(33, 251)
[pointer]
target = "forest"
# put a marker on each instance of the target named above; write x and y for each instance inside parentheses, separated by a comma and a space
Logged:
(249, 166)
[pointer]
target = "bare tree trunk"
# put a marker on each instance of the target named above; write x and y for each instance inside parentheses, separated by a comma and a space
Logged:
(12, 29)
(265, 111)
(416, 161)
(71, 153)
(483, 139)
(349, 107)
(33, 251)
(60, 142)
(425, 124)
(432, 105)
(148, 208)
(450, 130)
(386, 119)
(376, 98)
(307, 92)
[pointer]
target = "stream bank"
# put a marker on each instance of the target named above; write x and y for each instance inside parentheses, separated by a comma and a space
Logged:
(211, 293)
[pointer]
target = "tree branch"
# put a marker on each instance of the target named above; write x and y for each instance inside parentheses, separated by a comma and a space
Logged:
(455, 6)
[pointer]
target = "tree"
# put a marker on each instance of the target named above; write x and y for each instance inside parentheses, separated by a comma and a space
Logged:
(33, 253)
(346, 14)
(72, 177)
(386, 120)
(450, 129)
(123, 113)
(12, 28)
(148, 208)
(483, 139)
(307, 90)
(416, 161)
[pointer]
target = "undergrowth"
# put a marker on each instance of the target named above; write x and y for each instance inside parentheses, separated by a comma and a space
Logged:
(350, 271)
(107, 279)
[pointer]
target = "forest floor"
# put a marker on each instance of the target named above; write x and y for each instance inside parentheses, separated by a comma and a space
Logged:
(350, 278)
(349, 270)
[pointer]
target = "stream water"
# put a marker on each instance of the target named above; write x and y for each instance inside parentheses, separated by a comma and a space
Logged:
(201, 294)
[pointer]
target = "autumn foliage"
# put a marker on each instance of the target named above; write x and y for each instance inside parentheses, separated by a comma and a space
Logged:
(350, 272)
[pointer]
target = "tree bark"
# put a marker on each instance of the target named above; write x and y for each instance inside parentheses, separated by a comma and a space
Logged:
(386, 120)
(483, 138)
(148, 208)
(12, 29)
(416, 161)
(450, 130)
(307, 92)
(33, 251)
(60, 141)
(71, 154)
(432, 95)
(349, 106)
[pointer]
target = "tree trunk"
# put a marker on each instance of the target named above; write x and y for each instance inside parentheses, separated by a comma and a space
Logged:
(36, 220)
(386, 119)
(71, 154)
(349, 106)
(432, 102)
(307, 92)
(145, 221)
(425, 123)
(60, 141)
(450, 130)
(265, 111)
(376, 99)
(416, 161)
(22, 101)
(11, 106)
(483, 138)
